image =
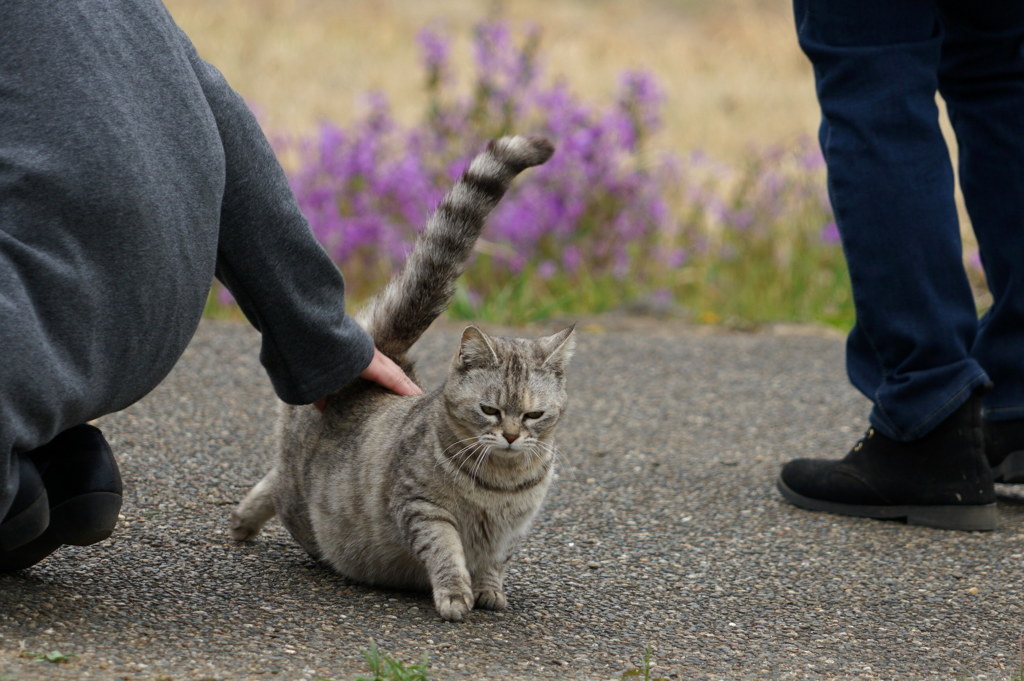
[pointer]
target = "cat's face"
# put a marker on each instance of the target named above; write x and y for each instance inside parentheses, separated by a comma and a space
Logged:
(505, 396)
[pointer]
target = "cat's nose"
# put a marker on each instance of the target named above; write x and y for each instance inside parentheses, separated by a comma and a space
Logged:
(510, 437)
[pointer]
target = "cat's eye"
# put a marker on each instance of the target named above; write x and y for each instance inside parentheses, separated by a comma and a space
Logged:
(533, 415)
(490, 411)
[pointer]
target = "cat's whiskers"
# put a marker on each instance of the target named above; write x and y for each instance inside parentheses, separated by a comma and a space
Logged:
(481, 458)
(557, 458)
(461, 457)
(467, 449)
(472, 440)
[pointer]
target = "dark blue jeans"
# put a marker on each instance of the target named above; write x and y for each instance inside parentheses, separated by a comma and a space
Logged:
(918, 350)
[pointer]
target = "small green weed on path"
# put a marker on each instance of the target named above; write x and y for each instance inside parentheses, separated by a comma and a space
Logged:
(644, 672)
(385, 668)
(53, 657)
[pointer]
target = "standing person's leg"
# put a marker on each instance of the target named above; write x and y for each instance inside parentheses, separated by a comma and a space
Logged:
(891, 186)
(982, 81)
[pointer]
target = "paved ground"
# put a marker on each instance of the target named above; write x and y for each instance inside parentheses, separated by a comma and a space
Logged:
(664, 530)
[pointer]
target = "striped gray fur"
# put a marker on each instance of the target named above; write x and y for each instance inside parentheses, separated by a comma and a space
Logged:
(416, 297)
(435, 491)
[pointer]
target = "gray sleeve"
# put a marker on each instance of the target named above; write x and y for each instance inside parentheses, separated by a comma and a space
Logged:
(282, 278)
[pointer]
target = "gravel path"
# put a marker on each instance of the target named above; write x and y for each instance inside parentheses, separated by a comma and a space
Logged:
(663, 530)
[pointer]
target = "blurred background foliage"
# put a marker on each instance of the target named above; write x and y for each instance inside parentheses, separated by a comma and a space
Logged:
(687, 180)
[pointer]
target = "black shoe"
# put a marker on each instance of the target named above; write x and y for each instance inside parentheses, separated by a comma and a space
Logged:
(83, 484)
(1004, 448)
(83, 489)
(941, 480)
(30, 511)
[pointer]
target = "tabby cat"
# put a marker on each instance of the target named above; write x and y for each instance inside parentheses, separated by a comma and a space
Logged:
(429, 492)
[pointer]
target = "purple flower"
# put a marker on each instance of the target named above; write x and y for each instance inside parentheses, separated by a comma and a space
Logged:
(830, 234)
(662, 298)
(571, 258)
(642, 97)
(604, 208)
(973, 260)
(741, 219)
(811, 160)
(546, 270)
(435, 51)
(676, 257)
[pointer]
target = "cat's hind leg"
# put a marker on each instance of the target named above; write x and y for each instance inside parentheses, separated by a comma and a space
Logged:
(255, 510)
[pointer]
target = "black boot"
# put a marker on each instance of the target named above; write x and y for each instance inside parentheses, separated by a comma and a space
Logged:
(941, 480)
(29, 513)
(83, 484)
(83, 489)
(1004, 447)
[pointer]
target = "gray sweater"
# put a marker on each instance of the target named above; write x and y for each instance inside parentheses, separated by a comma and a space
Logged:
(131, 173)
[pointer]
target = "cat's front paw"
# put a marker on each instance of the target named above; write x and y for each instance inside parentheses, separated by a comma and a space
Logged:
(490, 599)
(453, 604)
(241, 528)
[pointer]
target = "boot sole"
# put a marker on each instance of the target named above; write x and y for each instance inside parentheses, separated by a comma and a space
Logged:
(30, 553)
(86, 518)
(1011, 469)
(26, 525)
(80, 521)
(979, 517)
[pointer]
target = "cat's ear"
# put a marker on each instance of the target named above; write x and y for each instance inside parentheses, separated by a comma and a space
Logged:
(558, 349)
(476, 350)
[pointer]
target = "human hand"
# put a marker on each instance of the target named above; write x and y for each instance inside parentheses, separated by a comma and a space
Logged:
(384, 372)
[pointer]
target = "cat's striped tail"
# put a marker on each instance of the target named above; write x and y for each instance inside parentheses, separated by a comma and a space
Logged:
(420, 293)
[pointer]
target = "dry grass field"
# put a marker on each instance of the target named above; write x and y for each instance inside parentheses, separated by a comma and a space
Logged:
(731, 69)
